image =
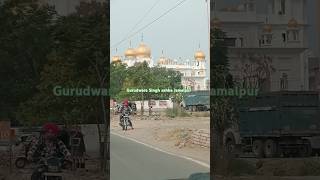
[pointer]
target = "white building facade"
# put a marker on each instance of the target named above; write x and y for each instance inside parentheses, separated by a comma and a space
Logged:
(266, 38)
(193, 71)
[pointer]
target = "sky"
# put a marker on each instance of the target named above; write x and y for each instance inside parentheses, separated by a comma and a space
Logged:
(178, 34)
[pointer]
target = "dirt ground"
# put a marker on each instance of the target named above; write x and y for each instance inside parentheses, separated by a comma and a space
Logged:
(168, 133)
(274, 169)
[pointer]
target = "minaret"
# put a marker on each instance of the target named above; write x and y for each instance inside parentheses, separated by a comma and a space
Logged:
(116, 58)
(200, 58)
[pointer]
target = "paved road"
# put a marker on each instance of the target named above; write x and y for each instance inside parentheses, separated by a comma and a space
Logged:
(134, 161)
(270, 178)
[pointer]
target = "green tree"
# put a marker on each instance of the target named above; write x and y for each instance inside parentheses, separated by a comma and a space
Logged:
(118, 74)
(222, 108)
(26, 29)
(78, 58)
(141, 76)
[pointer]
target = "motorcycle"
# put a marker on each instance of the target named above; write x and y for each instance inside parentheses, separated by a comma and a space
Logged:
(22, 161)
(126, 121)
(50, 168)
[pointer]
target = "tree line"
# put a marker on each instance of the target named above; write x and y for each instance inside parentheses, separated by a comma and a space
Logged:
(40, 49)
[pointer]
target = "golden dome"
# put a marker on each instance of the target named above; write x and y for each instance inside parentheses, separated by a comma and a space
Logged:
(199, 56)
(267, 28)
(292, 23)
(143, 51)
(116, 59)
(130, 53)
(216, 23)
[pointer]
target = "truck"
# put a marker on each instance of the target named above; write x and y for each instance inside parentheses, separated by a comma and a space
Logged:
(196, 100)
(276, 124)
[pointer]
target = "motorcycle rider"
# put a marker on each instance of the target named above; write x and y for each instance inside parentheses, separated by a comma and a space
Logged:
(125, 109)
(46, 146)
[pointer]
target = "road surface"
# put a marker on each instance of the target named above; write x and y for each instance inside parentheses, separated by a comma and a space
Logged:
(134, 161)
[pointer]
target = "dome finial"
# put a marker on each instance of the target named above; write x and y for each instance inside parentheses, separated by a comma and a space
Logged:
(142, 37)
(162, 52)
(130, 44)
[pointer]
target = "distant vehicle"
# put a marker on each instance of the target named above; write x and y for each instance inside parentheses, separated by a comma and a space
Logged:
(196, 101)
(277, 124)
(133, 107)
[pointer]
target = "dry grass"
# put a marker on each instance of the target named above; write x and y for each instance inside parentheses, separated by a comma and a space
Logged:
(200, 114)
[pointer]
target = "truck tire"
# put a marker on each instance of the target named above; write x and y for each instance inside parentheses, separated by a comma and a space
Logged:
(230, 143)
(21, 162)
(230, 147)
(306, 149)
(270, 148)
(258, 148)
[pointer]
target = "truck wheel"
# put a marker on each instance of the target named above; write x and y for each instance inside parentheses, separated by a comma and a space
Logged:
(21, 162)
(270, 148)
(230, 146)
(257, 148)
(305, 150)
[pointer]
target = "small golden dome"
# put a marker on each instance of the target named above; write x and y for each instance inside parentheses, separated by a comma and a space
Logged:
(267, 28)
(130, 53)
(292, 23)
(143, 51)
(216, 23)
(116, 59)
(199, 56)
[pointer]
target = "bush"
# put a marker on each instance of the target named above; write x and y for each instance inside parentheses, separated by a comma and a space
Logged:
(201, 114)
(176, 112)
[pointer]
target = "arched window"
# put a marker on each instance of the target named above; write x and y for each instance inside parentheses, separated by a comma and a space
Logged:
(284, 82)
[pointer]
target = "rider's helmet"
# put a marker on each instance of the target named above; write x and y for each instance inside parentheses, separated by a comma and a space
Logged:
(50, 130)
(125, 103)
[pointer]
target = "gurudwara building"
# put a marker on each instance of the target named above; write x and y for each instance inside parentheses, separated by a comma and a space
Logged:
(193, 71)
(266, 38)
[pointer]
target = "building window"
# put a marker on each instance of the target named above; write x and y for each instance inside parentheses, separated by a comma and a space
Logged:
(284, 82)
(230, 42)
(282, 7)
(284, 37)
(241, 42)
(273, 6)
(266, 40)
(293, 35)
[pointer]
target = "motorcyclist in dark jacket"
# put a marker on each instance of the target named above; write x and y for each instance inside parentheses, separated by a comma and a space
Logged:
(48, 145)
(125, 109)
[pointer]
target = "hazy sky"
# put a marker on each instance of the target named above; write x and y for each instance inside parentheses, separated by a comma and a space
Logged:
(178, 33)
